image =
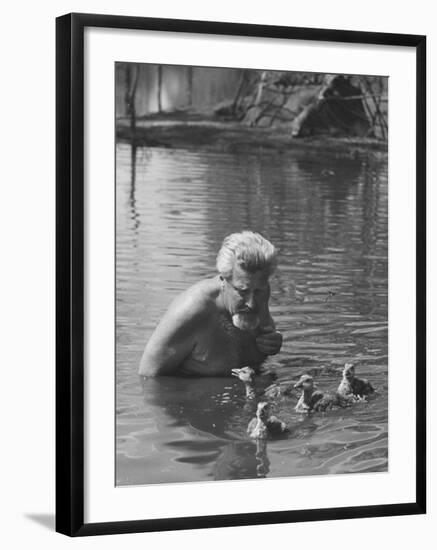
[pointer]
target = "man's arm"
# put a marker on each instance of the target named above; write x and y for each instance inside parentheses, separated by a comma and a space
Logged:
(269, 340)
(174, 337)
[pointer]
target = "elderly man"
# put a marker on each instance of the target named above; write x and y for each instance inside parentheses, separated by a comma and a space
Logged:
(220, 323)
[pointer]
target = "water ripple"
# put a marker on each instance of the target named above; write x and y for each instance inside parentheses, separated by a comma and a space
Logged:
(329, 299)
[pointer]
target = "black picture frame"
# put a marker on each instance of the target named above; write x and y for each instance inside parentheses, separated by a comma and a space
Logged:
(70, 273)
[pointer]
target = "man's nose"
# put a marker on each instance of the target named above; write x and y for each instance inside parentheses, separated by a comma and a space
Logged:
(251, 302)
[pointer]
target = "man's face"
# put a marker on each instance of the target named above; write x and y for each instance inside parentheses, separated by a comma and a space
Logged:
(245, 294)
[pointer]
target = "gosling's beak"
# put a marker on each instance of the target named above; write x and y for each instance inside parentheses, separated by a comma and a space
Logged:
(297, 385)
(235, 372)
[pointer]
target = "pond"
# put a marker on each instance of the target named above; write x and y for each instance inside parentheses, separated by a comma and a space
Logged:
(327, 214)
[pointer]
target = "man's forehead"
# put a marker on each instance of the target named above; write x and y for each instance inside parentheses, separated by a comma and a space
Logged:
(244, 277)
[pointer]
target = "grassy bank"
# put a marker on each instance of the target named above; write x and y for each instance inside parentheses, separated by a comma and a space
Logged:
(218, 135)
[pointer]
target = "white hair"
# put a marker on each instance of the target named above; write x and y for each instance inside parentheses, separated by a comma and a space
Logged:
(248, 250)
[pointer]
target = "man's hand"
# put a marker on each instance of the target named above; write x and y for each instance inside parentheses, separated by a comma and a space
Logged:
(269, 342)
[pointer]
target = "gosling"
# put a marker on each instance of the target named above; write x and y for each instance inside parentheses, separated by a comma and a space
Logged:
(263, 424)
(314, 400)
(351, 385)
(247, 376)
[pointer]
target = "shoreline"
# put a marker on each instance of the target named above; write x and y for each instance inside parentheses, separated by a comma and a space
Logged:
(219, 135)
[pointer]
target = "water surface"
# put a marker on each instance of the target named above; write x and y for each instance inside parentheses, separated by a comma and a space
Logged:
(327, 214)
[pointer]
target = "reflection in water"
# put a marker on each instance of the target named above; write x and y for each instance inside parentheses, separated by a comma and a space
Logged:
(242, 460)
(328, 217)
(132, 200)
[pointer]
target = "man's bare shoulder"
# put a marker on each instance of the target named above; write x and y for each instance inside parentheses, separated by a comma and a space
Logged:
(196, 302)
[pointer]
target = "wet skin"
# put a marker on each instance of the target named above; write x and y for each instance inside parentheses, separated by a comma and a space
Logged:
(197, 335)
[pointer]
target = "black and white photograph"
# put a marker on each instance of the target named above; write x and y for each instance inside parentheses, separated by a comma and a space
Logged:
(216, 286)
(251, 269)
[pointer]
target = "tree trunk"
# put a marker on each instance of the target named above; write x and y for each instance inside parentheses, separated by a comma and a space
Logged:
(190, 86)
(252, 112)
(159, 89)
(132, 73)
(297, 123)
